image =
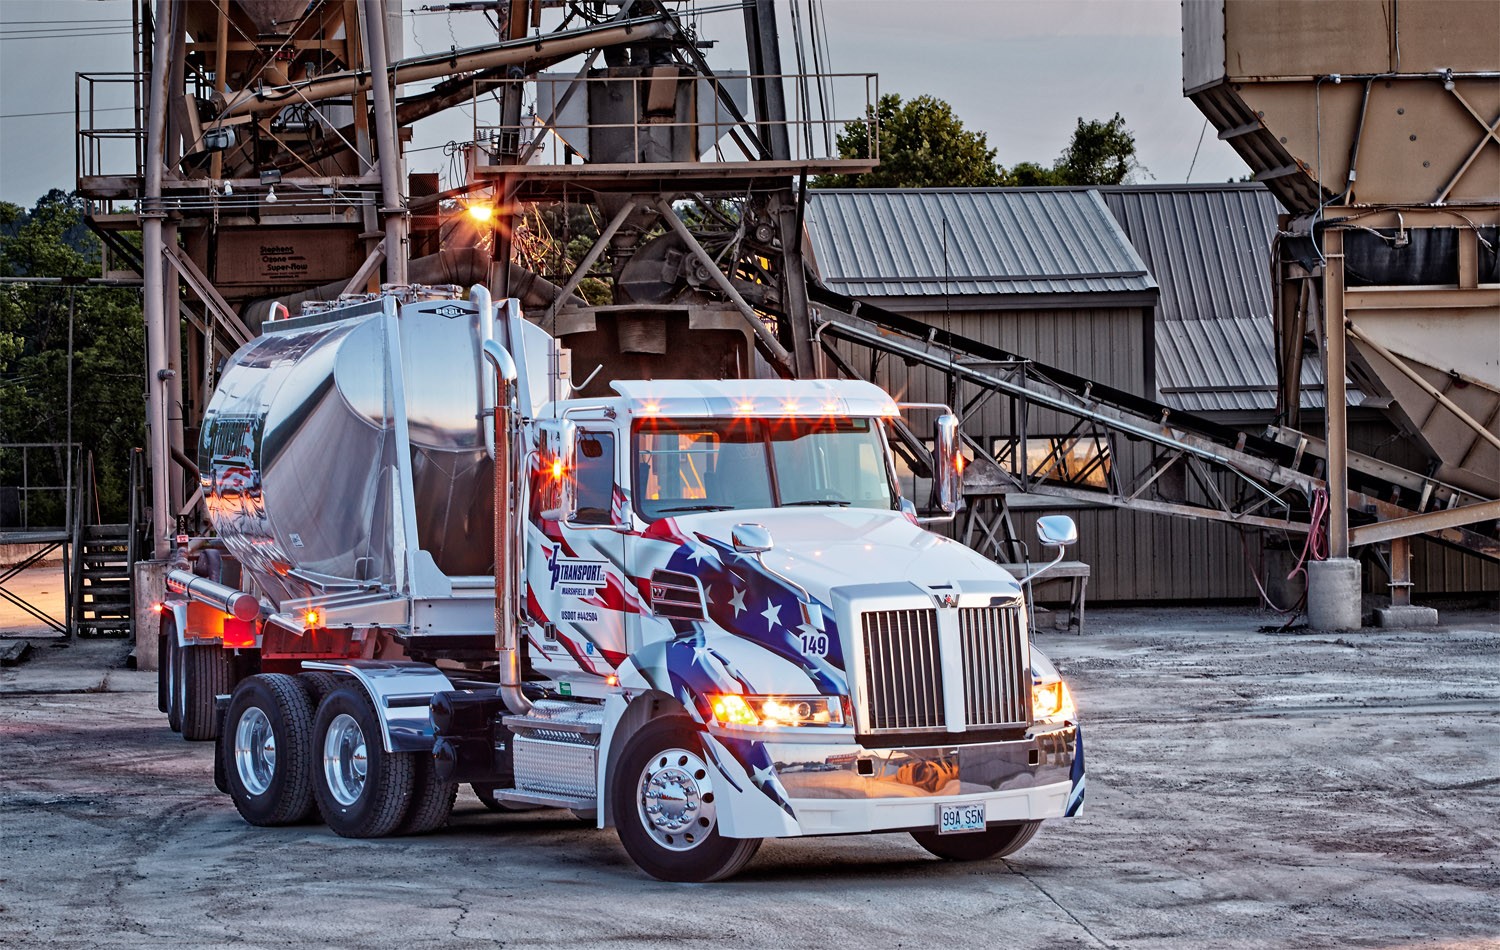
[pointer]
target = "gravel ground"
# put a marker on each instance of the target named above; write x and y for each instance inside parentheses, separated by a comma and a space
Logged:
(1245, 789)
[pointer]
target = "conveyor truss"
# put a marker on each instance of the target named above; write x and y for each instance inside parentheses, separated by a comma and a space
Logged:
(1270, 479)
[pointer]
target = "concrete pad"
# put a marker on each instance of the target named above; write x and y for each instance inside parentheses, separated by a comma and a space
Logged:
(1246, 789)
(1333, 595)
(1409, 615)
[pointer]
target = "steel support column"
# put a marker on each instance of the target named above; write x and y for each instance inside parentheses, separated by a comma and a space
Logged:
(393, 207)
(153, 289)
(1337, 412)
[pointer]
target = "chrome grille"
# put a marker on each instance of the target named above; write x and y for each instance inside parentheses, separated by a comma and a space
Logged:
(997, 674)
(903, 670)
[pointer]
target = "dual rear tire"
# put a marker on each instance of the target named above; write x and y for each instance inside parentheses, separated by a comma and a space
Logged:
(190, 680)
(295, 744)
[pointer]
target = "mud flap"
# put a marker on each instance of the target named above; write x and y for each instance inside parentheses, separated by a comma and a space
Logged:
(1075, 797)
(221, 709)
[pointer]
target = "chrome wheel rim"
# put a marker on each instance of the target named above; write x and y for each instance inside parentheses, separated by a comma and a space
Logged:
(255, 751)
(676, 800)
(345, 764)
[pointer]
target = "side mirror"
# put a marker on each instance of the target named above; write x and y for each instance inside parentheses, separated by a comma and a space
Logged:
(751, 539)
(947, 463)
(1057, 529)
(557, 455)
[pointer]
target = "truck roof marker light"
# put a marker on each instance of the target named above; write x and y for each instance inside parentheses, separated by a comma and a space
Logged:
(746, 406)
(830, 407)
(651, 408)
(790, 405)
(730, 709)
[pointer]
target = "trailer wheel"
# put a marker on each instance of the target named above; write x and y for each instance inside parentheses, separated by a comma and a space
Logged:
(431, 800)
(995, 841)
(363, 791)
(172, 669)
(319, 683)
(206, 674)
(163, 686)
(267, 750)
(663, 798)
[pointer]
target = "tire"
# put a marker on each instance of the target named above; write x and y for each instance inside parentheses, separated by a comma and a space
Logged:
(319, 683)
(173, 668)
(431, 800)
(680, 841)
(996, 841)
(269, 713)
(163, 685)
(362, 790)
(206, 675)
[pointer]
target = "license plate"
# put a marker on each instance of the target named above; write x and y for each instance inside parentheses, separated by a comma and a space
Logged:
(957, 819)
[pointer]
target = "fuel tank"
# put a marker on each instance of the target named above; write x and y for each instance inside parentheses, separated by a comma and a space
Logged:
(346, 450)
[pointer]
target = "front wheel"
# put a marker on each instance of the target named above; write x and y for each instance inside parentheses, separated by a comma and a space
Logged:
(363, 791)
(995, 841)
(665, 807)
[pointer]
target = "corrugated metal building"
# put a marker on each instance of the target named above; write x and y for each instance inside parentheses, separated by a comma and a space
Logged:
(1163, 291)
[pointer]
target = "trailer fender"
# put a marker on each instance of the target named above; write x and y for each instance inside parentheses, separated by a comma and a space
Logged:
(401, 692)
(624, 715)
(177, 612)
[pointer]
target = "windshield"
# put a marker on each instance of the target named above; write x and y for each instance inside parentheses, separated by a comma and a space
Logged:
(718, 464)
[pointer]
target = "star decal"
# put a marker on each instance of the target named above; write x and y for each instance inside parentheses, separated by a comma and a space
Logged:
(701, 653)
(763, 776)
(737, 601)
(772, 613)
(701, 552)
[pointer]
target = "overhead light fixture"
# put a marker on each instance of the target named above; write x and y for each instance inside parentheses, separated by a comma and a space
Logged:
(271, 196)
(481, 212)
(270, 176)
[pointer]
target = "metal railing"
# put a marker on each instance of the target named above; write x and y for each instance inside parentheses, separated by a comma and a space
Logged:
(108, 120)
(37, 479)
(721, 126)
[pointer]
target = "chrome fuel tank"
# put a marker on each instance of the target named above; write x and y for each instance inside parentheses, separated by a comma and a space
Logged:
(343, 449)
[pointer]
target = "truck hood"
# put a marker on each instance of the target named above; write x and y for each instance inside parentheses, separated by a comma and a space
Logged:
(827, 548)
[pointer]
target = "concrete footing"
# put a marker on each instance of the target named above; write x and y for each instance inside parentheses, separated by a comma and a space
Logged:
(1333, 594)
(1407, 615)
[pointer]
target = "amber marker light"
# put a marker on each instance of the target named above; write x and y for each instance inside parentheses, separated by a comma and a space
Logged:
(746, 406)
(611, 680)
(557, 470)
(730, 709)
(312, 618)
(158, 607)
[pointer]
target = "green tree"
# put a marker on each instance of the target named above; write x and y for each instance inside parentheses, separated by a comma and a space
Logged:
(51, 240)
(923, 144)
(1101, 153)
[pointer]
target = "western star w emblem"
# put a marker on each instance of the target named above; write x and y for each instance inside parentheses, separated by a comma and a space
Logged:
(576, 573)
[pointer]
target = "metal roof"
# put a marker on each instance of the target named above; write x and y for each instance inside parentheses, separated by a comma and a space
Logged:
(1209, 247)
(970, 243)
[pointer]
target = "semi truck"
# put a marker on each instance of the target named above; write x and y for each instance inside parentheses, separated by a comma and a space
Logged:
(699, 611)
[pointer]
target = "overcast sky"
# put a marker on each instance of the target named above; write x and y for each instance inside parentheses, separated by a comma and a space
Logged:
(1022, 71)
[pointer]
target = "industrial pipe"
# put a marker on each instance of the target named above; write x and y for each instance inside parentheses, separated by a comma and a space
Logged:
(393, 211)
(438, 65)
(508, 553)
(154, 283)
(236, 603)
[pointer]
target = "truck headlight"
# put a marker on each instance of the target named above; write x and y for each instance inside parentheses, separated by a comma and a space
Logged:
(1051, 702)
(742, 709)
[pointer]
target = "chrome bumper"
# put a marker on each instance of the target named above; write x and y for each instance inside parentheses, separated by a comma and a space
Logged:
(836, 789)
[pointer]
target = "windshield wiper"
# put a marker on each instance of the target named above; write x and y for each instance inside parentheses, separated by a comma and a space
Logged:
(832, 502)
(665, 511)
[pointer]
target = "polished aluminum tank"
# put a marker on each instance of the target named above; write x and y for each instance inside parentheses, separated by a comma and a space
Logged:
(345, 451)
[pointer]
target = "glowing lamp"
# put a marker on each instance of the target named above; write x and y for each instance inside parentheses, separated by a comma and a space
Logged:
(312, 618)
(481, 213)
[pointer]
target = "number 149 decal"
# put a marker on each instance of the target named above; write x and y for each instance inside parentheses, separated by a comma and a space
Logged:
(815, 644)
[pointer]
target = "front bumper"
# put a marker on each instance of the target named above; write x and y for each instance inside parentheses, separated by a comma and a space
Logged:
(824, 789)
